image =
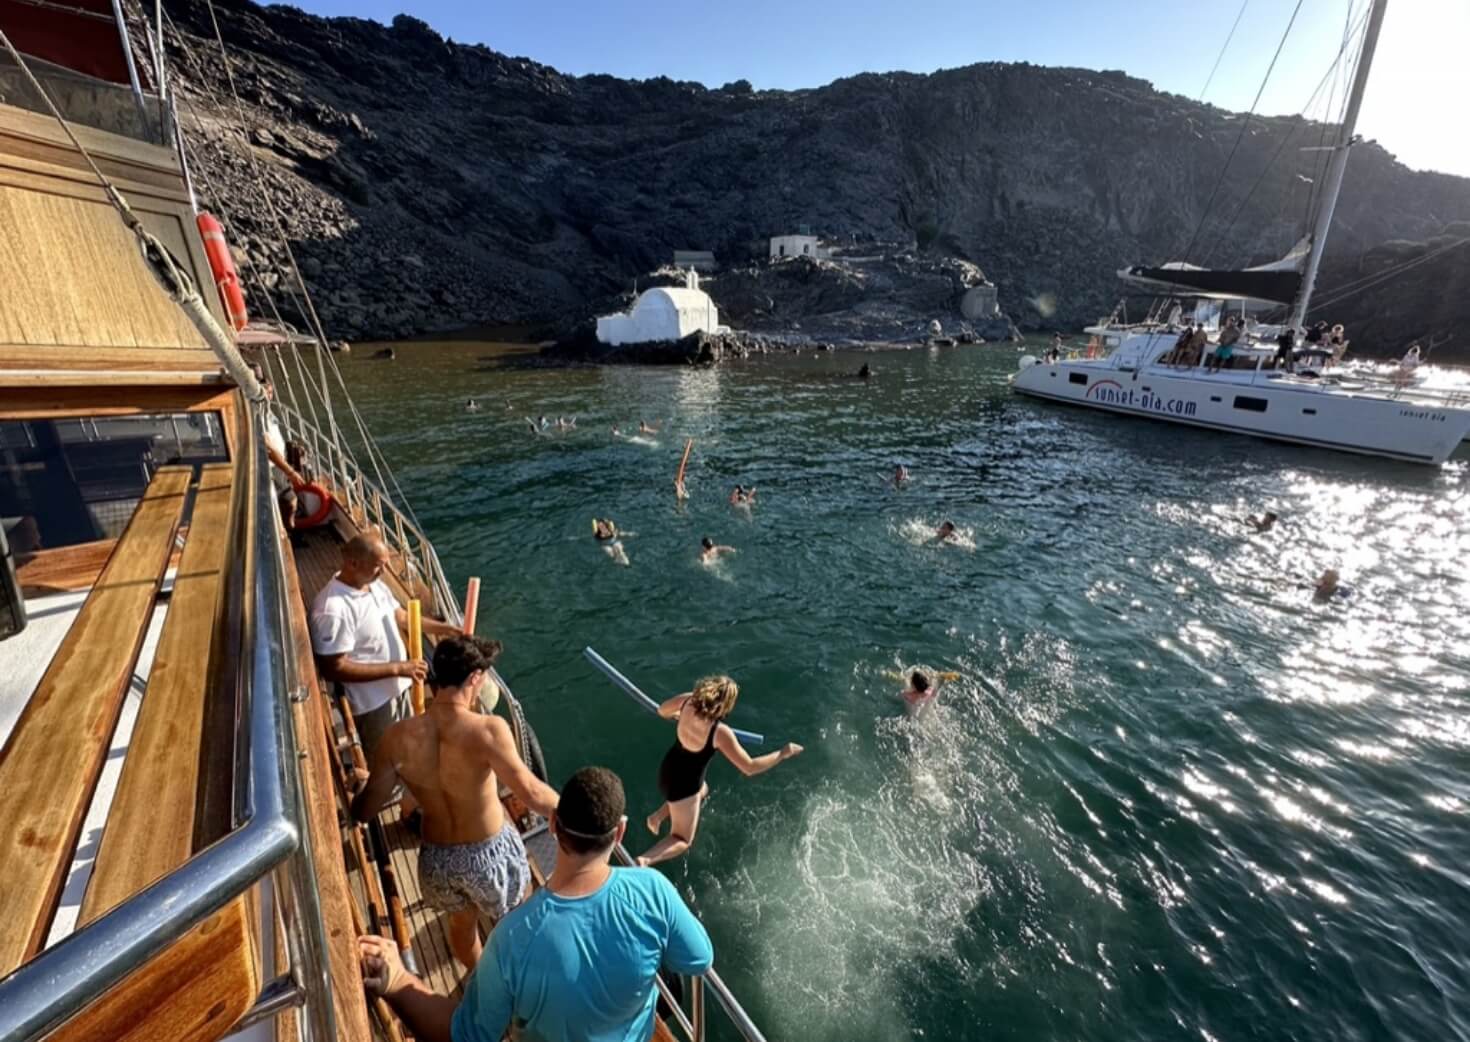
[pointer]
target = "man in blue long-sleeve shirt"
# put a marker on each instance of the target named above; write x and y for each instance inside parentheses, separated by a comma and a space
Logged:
(576, 962)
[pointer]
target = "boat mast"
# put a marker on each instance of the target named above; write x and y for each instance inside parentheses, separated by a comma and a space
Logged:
(1338, 163)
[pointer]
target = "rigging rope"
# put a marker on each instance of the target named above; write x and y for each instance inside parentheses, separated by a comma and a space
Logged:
(1287, 137)
(1223, 48)
(1244, 125)
(172, 278)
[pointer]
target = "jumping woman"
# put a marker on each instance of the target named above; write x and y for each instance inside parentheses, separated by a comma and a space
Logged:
(699, 733)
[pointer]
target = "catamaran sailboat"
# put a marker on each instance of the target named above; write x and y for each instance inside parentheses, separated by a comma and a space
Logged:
(1135, 369)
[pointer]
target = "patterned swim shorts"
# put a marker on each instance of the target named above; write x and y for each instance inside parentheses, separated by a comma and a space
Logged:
(492, 874)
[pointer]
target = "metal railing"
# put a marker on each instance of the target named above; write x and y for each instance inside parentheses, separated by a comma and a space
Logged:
(693, 1021)
(270, 836)
(369, 505)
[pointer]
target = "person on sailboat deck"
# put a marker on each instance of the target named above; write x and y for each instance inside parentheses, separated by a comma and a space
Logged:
(699, 732)
(1285, 345)
(576, 962)
(1225, 349)
(1176, 353)
(471, 859)
(356, 633)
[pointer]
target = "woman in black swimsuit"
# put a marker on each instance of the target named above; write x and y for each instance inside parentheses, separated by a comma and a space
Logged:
(698, 735)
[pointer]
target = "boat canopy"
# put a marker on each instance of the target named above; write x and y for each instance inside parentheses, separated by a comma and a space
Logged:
(82, 35)
(1277, 282)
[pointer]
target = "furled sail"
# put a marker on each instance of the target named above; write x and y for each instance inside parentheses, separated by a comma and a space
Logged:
(1277, 282)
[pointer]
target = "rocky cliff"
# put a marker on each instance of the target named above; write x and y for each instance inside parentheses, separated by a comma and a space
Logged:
(428, 185)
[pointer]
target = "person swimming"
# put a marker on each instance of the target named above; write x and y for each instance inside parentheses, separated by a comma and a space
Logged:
(945, 532)
(605, 531)
(866, 372)
(471, 405)
(900, 476)
(710, 551)
(921, 691)
(700, 732)
(1264, 523)
(644, 427)
(740, 496)
(1328, 586)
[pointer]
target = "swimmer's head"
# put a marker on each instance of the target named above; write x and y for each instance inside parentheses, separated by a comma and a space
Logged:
(947, 528)
(714, 697)
(707, 543)
(919, 680)
(1269, 516)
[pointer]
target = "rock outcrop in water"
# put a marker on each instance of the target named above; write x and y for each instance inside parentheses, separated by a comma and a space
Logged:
(429, 185)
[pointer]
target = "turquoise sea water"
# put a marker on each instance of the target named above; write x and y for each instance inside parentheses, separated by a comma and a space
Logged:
(1172, 797)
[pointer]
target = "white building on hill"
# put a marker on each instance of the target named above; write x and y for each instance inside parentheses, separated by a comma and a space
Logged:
(796, 246)
(662, 313)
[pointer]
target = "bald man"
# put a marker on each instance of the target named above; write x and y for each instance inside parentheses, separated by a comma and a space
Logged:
(357, 633)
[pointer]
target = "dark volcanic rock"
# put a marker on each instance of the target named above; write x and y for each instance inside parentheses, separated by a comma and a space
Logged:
(433, 185)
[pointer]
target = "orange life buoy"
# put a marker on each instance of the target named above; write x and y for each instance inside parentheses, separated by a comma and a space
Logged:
(323, 509)
(226, 279)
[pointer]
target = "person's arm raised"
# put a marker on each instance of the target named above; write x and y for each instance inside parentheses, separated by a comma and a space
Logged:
(511, 769)
(748, 765)
(670, 707)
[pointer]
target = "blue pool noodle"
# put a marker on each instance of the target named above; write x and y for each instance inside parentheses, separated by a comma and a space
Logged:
(748, 737)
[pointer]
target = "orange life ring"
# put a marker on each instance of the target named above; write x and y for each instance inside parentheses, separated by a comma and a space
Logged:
(323, 508)
(226, 278)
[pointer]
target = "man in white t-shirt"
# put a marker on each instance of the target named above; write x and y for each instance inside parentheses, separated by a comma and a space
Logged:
(357, 634)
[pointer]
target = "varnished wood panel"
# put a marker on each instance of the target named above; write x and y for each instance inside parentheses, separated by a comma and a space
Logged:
(150, 828)
(193, 992)
(50, 762)
(71, 273)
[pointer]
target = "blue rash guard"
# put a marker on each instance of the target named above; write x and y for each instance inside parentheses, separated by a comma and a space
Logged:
(581, 969)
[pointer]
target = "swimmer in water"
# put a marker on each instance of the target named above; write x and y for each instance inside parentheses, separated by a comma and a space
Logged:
(471, 405)
(866, 372)
(900, 476)
(699, 733)
(741, 496)
(644, 427)
(920, 692)
(532, 424)
(945, 532)
(1264, 523)
(1328, 586)
(710, 551)
(606, 533)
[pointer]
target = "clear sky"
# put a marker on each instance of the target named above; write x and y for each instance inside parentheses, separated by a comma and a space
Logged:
(1415, 103)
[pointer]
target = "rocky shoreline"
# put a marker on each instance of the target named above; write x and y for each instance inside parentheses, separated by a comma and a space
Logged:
(428, 186)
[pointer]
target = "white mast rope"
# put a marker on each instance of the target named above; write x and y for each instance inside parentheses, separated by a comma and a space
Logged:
(173, 279)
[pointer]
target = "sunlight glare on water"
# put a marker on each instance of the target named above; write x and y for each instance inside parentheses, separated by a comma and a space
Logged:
(1171, 796)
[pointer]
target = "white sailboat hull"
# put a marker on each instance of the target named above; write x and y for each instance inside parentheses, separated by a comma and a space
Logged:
(1262, 405)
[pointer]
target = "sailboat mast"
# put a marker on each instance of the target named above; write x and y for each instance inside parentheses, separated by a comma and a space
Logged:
(1338, 163)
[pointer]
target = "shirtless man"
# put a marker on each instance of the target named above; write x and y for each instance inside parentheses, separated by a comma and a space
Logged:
(471, 859)
(945, 532)
(710, 552)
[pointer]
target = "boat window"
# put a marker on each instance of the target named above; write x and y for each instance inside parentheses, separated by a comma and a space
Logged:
(1077, 378)
(1309, 412)
(1251, 404)
(77, 480)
